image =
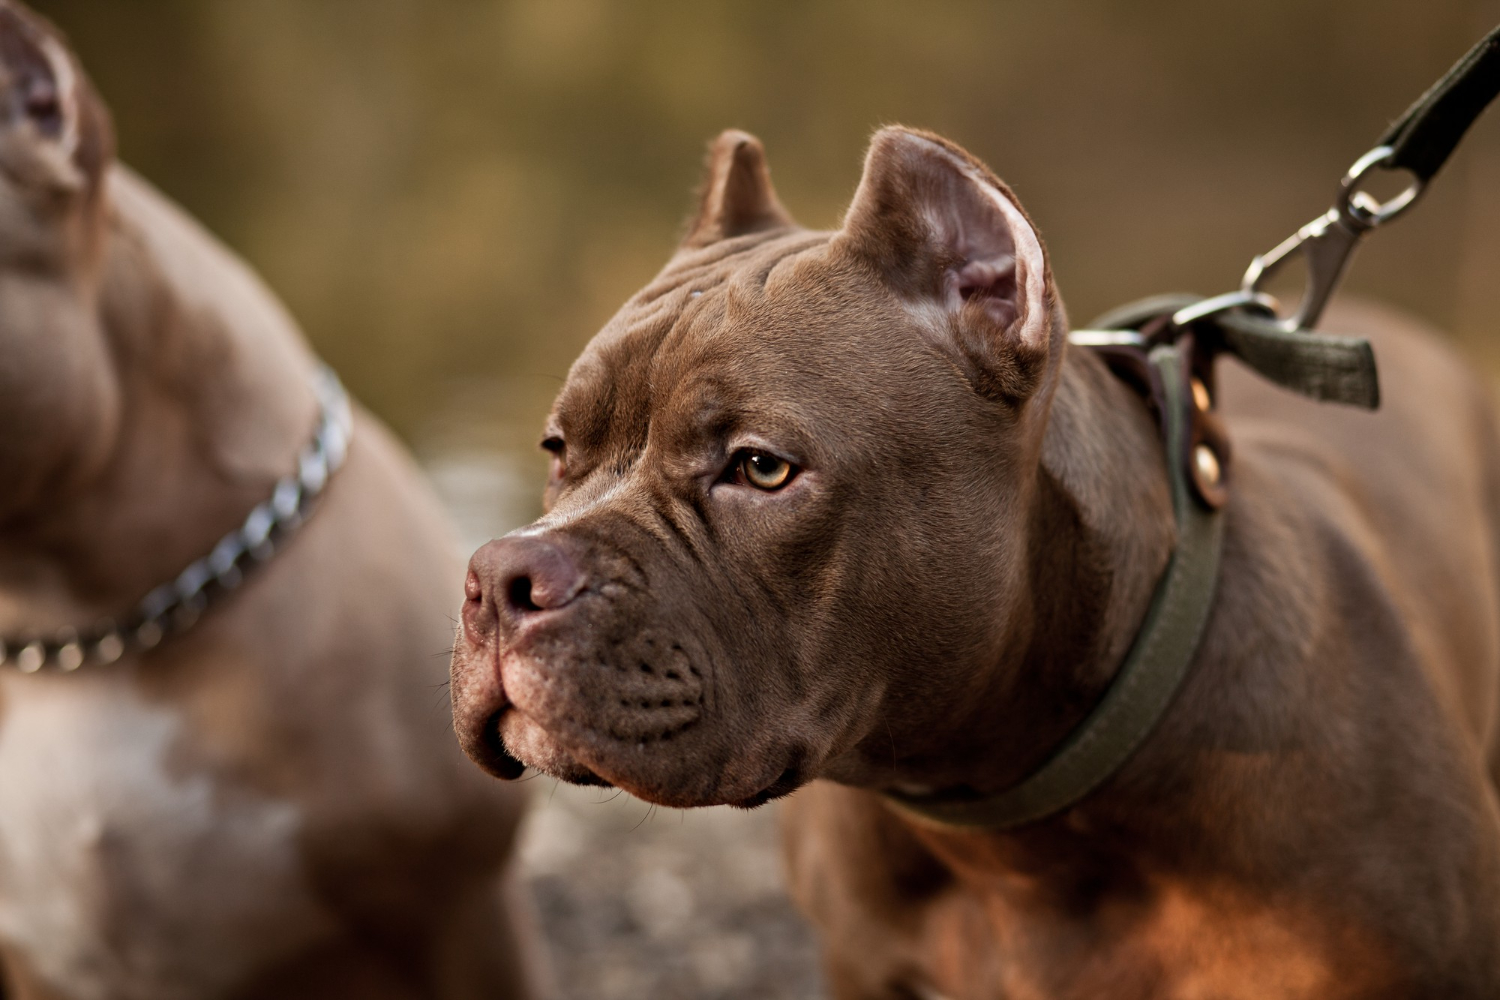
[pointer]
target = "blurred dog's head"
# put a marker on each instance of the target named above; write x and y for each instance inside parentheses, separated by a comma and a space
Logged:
(57, 389)
(789, 480)
(55, 141)
(135, 352)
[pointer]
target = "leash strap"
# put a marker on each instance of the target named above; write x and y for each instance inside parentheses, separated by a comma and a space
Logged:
(1152, 672)
(1325, 367)
(1422, 139)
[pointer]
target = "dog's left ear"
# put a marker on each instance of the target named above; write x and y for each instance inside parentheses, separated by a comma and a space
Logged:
(736, 198)
(54, 131)
(949, 238)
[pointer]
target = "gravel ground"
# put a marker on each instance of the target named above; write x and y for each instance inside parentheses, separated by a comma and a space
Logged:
(643, 903)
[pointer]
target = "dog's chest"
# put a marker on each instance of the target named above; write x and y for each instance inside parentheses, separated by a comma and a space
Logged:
(125, 874)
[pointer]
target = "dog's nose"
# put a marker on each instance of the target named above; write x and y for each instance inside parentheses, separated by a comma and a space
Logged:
(520, 576)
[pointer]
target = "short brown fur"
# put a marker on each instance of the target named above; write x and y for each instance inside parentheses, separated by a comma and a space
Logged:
(950, 581)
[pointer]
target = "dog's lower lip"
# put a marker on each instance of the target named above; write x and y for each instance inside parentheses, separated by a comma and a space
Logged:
(512, 727)
(501, 763)
(785, 784)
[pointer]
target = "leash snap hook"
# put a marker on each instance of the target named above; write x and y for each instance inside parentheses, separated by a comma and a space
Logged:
(1364, 208)
(1327, 241)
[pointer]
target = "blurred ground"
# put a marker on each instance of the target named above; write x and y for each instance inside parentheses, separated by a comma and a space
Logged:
(638, 902)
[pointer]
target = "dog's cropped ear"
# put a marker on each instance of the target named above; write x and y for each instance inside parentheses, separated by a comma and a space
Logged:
(951, 240)
(54, 131)
(736, 197)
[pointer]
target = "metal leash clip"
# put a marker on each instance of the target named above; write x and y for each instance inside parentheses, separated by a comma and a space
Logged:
(1328, 240)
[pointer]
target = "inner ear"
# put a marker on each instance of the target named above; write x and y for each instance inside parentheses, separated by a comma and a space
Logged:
(736, 198)
(940, 227)
(972, 226)
(35, 80)
(62, 130)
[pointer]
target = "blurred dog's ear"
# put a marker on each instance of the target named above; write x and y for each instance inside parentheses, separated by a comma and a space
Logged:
(54, 131)
(737, 197)
(948, 237)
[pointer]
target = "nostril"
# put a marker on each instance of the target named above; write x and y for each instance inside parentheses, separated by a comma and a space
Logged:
(520, 576)
(518, 594)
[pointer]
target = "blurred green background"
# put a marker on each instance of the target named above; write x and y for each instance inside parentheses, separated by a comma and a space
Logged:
(452, 195)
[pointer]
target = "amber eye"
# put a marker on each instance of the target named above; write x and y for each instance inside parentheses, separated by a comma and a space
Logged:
(765, 471)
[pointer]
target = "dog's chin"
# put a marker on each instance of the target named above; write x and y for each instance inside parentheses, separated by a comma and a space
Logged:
(529, 744)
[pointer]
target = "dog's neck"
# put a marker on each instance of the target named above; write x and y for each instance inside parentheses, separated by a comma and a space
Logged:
(211, 403)
(1101, 533)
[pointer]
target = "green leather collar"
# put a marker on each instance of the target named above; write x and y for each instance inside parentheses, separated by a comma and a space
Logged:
(1151, 674)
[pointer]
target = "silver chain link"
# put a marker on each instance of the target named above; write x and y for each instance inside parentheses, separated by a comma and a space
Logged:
(177, 604)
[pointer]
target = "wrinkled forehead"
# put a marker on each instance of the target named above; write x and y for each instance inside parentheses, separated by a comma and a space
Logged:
(759, 326)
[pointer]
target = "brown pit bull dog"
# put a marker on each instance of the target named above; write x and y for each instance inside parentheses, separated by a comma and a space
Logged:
(268, 804)
(846, 506)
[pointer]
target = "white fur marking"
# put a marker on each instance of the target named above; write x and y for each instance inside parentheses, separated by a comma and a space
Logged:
(120, 880)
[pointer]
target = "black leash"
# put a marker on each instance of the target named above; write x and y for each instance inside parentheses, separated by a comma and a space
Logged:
(1422, 139)
(1252, 325)
(1167, 346)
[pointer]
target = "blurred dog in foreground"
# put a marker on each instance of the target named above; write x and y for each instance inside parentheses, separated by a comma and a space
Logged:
(846, 506)
(269, 804)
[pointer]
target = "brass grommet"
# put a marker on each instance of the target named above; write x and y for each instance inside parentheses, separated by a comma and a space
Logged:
(1207, 465)
(1201, 396)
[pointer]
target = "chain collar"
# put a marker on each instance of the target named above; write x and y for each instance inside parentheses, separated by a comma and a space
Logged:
(176, 605)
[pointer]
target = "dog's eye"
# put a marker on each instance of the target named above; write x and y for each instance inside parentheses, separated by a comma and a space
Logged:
(764, 471)
(555, 444)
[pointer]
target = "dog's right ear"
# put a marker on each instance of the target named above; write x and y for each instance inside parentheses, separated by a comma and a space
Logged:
(736, 198)
(54, 132)
(950, 239)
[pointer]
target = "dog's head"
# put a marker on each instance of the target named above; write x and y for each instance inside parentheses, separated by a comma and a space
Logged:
(56, 381)
(788, 507)
(55, 142)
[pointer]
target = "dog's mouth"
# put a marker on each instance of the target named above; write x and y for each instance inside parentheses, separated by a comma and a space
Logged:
(632, 715)
(514, 742)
